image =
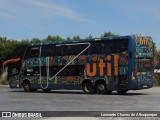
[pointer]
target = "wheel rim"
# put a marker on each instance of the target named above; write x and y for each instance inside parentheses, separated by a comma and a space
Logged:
(101, 87)
(88, 88)
(27, 86)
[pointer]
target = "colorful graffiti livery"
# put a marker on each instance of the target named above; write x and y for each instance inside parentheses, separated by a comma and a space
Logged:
(101, 65)
(144, 47)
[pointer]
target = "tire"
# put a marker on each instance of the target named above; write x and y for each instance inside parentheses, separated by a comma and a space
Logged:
(27, 87)
(46, 90)
(101, 88)
(122, 92)
(88, 88)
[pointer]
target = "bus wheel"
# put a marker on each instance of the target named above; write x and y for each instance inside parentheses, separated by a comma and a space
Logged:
(88, 88)
(101, 88)
(26, 86)
(122, 92)
(46, 90)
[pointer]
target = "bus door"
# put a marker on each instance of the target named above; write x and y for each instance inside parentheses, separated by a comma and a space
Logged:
(43, 69)
(34, 65)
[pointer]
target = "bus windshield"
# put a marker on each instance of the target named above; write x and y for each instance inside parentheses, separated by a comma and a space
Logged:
(144, 47)
(144, 65)
(144, 54)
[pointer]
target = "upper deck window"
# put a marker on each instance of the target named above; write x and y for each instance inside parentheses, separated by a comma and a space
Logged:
(32, 51)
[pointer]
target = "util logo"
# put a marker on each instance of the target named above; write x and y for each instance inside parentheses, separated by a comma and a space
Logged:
(144, 41)
(102, 66)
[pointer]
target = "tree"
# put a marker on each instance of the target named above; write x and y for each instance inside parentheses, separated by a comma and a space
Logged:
(108, 34)
(157, 60)
(76, 37)
(53, 38)
(35, 40)
(89, 37)
(68, 38)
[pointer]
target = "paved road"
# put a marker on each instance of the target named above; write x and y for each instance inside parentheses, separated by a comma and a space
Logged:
(17, 100)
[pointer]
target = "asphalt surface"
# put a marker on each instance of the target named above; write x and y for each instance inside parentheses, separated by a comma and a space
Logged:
(62, 100)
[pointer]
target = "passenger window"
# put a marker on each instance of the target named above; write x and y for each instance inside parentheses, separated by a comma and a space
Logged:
(60, 50)
(67, 50)
(122, 45)
(48, 51)
(32, 52)
(71, 70)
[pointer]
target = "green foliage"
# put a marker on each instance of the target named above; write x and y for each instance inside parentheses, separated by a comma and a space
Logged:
(156, 57)
(68, 38)
(35, 40)
(76, 37)
(108, 34)
(89, 37)
(3, 81)
(156, 80)
(53, 38)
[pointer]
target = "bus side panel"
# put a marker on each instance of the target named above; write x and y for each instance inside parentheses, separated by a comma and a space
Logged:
(123, 71)
(132, 83)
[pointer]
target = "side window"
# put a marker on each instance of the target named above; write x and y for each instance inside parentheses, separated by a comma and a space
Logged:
(114, 46)
(122, 45)
(60, 50)
(66, 50)
(79, 48)
(48, 51)
(71, 70)
(19, 52)
(13, 69)
(95, 48)
(87, 51)
(32, 51)
(107, 47)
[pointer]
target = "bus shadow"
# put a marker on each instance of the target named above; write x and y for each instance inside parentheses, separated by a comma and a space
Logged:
(78, 92)
(40, 92)
(130, 94)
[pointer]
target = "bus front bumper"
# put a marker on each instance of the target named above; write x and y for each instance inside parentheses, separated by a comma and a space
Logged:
(135, 85)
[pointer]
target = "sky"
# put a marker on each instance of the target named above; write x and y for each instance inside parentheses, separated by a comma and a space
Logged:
(27, 19)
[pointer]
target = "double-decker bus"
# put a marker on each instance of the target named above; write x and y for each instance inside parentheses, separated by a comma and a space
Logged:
(102, 65)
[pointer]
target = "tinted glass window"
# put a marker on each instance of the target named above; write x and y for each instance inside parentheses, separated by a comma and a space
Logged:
(32, 52)
(97, 48)
(72, 70)
(66, 50)
(116, 46)
(48, 51)
(60, 50)
(79, 48)
(122, 45)
(13, 69)
(18, 52)
(144, 65)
